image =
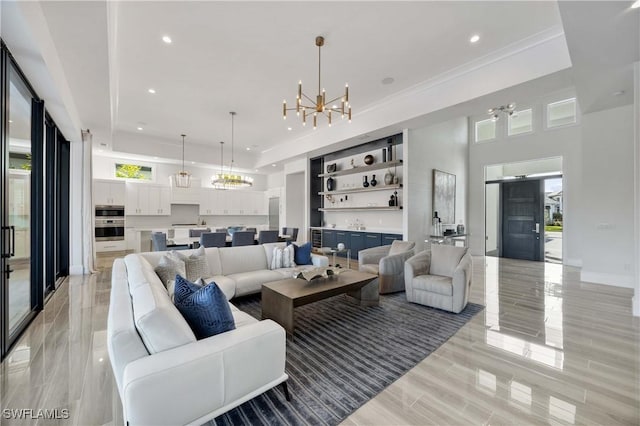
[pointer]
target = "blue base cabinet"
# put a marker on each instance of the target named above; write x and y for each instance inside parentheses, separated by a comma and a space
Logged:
(372, 239)
(356, 240)
(357, 244)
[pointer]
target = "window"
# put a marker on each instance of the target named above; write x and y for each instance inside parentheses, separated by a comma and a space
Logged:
(485, 130)
(561, 113)
(520, 122)
(133, 171)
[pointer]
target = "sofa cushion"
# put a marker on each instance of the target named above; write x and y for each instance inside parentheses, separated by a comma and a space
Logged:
(240, 318)
(302, 254)
(160, 324)
(445, 259)
(242, 259)
(205, 308)
(195, 263)
(276, 258)
(398, 246)
(226, 284)
(168, 267)
(268, 250)
(434, 284)
(140, 272)
(251, 282)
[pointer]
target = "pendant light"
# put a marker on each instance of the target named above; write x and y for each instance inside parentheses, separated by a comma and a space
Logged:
(183, 177)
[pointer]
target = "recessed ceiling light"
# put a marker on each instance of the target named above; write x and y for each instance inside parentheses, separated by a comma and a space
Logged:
(619, 92)
(10, 121)
(256, 170)
(474, 38)
(273, 165)
(139, 128)
(289, 128)
(166, 39)
(155, 158)
(388, 80)
(636, 4)
(248, 149)
(193, 162)
(152, 90)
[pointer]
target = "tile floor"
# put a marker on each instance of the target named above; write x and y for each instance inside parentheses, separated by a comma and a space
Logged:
(548, 349)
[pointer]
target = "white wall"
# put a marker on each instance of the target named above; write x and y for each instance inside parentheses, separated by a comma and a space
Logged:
(443, 146)
(607, 202)
(294, 209)
(636, 114)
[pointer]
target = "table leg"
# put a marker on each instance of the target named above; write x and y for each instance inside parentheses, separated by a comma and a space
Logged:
(367, 295)
(278, 308)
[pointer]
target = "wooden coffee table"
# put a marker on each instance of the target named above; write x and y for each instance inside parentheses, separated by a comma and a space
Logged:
(279, 298)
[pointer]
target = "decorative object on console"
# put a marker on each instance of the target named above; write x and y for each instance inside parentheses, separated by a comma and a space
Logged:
(374, 182)
(230, 180)
(388, 178)
(460, 228)
(183, 177)
(368, 159)
(341, 246)
(321, 106)
(365, 183)
(331, 168)
(330, 184)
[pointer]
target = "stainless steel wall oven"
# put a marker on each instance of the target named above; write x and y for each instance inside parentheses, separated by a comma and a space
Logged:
(109, 223)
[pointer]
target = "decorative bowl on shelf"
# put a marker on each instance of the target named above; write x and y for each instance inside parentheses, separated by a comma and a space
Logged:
(368, 159)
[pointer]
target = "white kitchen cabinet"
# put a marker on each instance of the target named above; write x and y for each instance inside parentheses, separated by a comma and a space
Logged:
(148, 200)
(102, 246)
(159, 201)
(210, 202)
(109, 193)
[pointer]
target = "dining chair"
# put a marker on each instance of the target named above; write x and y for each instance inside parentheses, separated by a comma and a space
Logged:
(243, 238)
(213, 239)
(267, 237)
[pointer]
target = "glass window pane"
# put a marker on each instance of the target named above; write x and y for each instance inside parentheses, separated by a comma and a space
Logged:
(561, 113)
(19, 199)
(485, 130)
(520, 122)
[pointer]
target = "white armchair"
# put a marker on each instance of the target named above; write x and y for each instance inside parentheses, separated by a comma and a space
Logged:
(388, 263)
(440, 278)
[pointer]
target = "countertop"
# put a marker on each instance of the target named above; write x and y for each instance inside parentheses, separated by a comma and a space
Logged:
(373, 230)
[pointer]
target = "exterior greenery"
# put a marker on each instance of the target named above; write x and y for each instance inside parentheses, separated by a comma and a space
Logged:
(133, 171)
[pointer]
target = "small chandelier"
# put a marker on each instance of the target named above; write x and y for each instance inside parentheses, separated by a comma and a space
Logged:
(320, 105)
(183, 177)
(229, 180)
(509, 110)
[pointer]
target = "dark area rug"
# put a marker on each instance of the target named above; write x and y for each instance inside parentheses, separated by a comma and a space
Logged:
(343, 354)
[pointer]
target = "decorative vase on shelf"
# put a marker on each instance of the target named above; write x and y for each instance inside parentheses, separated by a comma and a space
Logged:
(392, 200)
(389, 153)
(384, 155)
(368, 159)
(330, 184)
(374, 182)
(388, 178)
(365, 183)
(395, 179)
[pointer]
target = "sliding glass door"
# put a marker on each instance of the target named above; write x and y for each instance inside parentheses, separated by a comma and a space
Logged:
(17, 203)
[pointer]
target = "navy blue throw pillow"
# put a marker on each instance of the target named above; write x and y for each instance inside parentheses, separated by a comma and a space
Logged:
(302, 254)
(205, 309)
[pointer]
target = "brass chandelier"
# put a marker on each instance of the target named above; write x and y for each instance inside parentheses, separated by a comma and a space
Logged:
(183, 177)
(319, 106)
(230, 180)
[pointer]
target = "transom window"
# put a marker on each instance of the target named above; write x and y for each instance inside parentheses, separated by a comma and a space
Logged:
(520, 122)
(133, 171)
(485, 130)
(561, 113)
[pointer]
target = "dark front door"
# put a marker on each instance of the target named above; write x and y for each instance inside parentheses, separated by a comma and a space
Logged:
(522, 215)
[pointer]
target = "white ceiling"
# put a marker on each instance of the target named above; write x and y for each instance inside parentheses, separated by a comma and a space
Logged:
(248, 57)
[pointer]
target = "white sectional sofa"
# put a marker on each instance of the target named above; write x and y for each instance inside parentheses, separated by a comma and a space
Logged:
(167, 377)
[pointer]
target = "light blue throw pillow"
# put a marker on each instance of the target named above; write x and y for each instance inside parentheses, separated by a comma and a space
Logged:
(205, 309)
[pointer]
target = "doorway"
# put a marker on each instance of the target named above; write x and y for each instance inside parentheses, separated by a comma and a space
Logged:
(524, 210)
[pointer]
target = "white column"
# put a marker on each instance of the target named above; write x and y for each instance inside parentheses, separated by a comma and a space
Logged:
(75, 209)
(636, 297)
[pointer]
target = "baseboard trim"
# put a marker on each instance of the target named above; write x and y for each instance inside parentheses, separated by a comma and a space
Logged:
(616, 280)
(76, 270)
(573, 262)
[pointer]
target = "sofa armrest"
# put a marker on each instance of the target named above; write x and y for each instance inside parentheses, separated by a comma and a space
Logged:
(461, 282)
(372, 255)
(319, 260)
(201, 377)
(418, 264)
(394, 264)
